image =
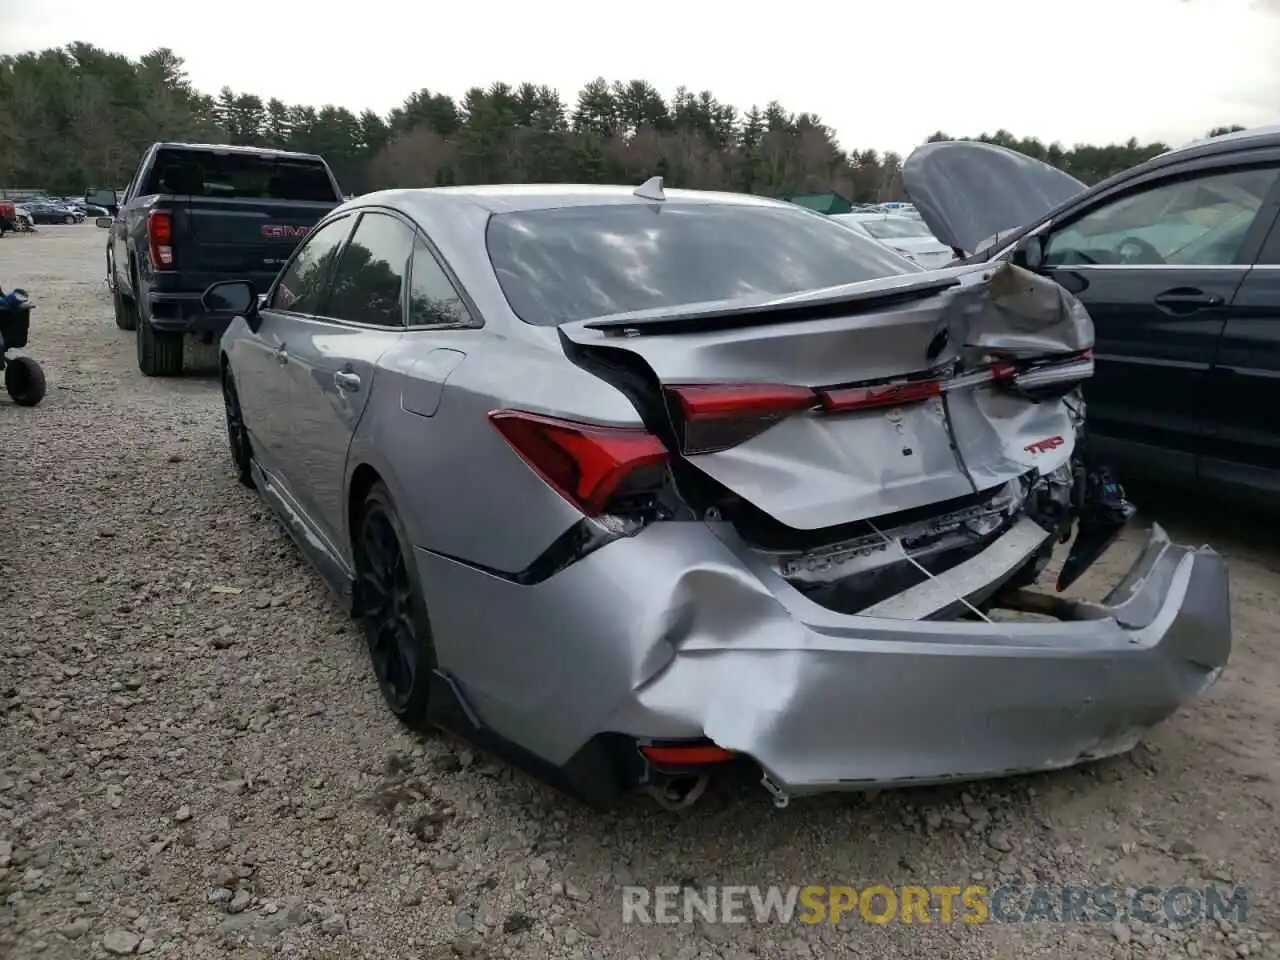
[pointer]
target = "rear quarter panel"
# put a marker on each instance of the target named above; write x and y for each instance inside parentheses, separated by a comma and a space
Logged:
(461, 490)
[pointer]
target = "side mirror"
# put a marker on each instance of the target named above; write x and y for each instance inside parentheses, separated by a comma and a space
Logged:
(1028, 253)
(101, 198)
(103, 221)
(231, 296)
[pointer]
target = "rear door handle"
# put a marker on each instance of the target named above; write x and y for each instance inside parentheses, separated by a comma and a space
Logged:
(1187, 300)
(347, 381)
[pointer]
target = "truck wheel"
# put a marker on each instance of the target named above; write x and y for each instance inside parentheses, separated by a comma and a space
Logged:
(24, 379)
(159, 351)
(126, 312)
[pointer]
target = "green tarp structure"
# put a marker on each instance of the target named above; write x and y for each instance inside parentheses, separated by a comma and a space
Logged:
(823, 202)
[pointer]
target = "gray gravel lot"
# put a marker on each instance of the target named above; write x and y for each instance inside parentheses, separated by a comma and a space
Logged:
(195, 762)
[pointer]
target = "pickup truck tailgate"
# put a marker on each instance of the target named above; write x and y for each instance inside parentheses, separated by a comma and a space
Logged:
(249, 238)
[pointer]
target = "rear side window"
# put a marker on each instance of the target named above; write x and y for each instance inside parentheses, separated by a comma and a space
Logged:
(206, 173)
(433, 301)
(572, 263)
(302, 287)
(368, 286)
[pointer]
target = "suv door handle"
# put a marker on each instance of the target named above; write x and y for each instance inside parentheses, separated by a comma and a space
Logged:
(347, 381)
(1187, 300)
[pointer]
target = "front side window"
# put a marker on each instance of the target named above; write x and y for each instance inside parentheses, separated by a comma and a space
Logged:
(1199, 221)
(302, 288)
(368, 285)
(572, 263)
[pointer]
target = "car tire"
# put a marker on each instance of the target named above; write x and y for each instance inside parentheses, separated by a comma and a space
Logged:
(24, 380)
(126, 312)
(237, 432)
(159, 351)
(391, 609)
(69, 219)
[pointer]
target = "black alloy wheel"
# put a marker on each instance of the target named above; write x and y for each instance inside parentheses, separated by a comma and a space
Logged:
(237, 433)
(391, 610)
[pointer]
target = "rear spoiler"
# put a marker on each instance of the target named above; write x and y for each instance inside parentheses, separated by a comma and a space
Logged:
(875, 295)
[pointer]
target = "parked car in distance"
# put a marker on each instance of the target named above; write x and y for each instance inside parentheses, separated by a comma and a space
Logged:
(630, 484)
(44, 211)
(905, 235)
(1178, 262)
(195, 214)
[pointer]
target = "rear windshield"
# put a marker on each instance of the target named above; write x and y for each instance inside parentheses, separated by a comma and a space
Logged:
(574, 263)
(203, 173)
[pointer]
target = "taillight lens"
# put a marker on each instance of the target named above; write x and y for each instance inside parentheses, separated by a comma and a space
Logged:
(1054, 376)
(717, 416)
(160, 238)
(883, 395)
(593, 467)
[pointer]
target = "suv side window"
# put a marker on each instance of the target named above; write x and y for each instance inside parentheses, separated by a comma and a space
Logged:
(433, 299)
(368, 286)
(302, 287)
(1195, 221)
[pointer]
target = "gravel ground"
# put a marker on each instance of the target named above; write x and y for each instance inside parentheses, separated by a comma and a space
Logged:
(194, 759)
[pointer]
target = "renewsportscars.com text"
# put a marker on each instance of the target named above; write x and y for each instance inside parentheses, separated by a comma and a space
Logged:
(941, 903)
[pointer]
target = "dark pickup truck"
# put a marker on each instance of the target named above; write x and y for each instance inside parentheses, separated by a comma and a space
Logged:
(195, 214)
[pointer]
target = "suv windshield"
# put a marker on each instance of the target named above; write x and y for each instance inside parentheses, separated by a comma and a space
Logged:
(574, 263)
(205, 173)
(890, 227)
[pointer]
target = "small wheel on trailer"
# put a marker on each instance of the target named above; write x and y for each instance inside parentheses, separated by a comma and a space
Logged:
(24, 380)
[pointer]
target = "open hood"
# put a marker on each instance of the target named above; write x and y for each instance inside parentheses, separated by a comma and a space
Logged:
(968, 191)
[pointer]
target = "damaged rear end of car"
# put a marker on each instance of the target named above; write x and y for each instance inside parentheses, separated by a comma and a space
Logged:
(906, 428)
(806, 555)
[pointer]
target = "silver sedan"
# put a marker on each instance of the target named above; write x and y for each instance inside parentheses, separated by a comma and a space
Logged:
(629, 485)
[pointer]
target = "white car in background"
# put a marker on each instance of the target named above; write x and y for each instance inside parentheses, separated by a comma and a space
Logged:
(907, 236)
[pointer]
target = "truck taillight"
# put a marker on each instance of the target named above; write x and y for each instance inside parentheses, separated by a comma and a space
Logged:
(160, 238)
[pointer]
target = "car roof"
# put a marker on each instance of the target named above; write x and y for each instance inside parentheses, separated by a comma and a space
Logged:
(509, 198)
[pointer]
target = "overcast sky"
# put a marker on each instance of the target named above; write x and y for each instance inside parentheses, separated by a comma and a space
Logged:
(1090, 70)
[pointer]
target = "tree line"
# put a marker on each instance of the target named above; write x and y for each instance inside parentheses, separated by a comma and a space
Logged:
(80, 117)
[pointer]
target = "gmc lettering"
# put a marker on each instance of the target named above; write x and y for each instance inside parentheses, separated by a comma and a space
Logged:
(277, 231)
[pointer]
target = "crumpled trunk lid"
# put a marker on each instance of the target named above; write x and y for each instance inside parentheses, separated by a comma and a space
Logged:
(820, 468)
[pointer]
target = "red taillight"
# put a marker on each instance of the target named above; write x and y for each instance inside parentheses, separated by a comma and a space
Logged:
(717, 416)
(694, 755)
(160, 238)
(588, 465)
(883, 395)
(1061, 371)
